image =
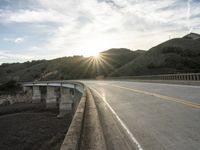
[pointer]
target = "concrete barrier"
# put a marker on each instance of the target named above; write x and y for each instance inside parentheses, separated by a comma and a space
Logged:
(85, 131)
(73, 137)
(67, 99)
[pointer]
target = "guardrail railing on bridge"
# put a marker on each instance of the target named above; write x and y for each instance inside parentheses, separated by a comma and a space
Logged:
(63, 94)
(185, 76)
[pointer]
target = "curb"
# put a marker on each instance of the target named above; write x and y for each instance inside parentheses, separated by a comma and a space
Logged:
(92, 136)
(85, 131)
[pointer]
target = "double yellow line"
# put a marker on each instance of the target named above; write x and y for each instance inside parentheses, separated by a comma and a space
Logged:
(181, 101)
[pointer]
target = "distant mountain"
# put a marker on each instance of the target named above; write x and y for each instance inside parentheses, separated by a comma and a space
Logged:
(76, 67)
(179, 55)
(193, 36)
(119, 57)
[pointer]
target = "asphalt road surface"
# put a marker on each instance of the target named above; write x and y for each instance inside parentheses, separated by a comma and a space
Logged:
(156, 116)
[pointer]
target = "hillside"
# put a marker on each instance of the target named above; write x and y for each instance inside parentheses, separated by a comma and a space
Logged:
(179, 55)
(76, 67)
(22, 71)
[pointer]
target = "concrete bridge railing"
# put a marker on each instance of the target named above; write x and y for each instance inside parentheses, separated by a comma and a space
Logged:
(65, 95)
(184, 77)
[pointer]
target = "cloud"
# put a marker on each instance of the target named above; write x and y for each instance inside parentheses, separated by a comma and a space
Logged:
(111, 2)
(19, 40)
(9, 57)
(16, 40)
(80, 26)
(31, 16)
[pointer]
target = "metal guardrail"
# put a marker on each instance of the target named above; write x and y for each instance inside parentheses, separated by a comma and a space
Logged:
(185, 76)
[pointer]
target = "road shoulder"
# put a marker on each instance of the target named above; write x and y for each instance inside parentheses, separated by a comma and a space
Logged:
(115, 135)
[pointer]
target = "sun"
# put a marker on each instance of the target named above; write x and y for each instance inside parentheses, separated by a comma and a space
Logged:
(96, 55)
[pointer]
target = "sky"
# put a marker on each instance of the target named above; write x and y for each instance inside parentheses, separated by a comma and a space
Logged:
(47, 29)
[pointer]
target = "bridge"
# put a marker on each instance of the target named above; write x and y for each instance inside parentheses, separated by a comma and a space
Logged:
(126, 114)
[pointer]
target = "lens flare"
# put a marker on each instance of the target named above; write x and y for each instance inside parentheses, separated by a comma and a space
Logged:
(96, 55)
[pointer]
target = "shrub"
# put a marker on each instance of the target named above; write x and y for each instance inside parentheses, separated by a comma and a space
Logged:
(11, 87)
(172, 49)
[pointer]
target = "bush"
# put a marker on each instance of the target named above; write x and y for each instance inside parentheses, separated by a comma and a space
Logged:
(172, 49)
(188, 53)
(11, 87)
(5, 103)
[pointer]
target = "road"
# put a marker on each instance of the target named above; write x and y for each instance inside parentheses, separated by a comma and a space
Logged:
(156, 116)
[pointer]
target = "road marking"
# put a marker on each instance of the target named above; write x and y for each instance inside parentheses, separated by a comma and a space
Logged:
(181, 101)
(121, 122)
(183, 86)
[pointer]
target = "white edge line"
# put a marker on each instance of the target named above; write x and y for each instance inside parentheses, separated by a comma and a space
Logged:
(123, 125)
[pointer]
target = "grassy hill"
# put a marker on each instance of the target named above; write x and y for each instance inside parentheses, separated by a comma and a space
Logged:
(22, 71)
(180, 55)
(76, 67)
(79, 67)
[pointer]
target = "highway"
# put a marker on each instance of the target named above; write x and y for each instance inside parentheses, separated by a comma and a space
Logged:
(155, 116)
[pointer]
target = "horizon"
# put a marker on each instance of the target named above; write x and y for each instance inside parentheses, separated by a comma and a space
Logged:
(95, 56)
(42, 29)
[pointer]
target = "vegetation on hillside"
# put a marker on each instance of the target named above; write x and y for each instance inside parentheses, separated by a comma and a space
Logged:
(10, 87)
(75, 67)
(180, 55)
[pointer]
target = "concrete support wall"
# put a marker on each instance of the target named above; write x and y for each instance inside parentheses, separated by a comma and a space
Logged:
(51, 99)
(28, 90)
(66, 101)
(36, 98)
(76, 98)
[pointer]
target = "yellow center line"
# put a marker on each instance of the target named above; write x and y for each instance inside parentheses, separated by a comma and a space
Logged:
(181, 101)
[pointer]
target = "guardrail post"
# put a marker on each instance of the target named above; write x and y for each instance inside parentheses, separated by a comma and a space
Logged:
(66, 101)
(181, 77)
(186, 77)
(194, 77)
(198, 76)
(27, 89)
(36, 98)
(51, 100)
